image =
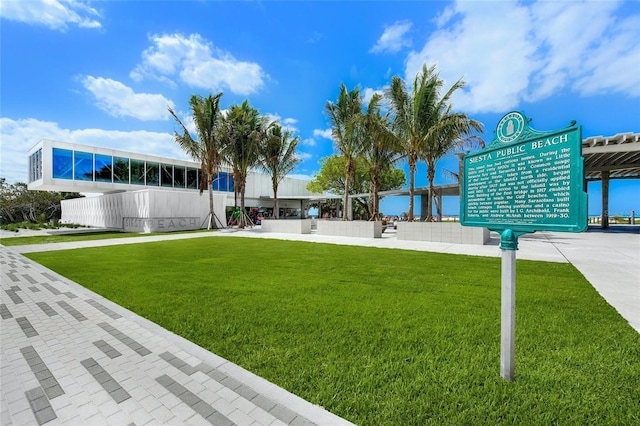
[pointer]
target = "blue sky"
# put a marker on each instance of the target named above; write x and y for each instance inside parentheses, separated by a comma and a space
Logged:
(103, 73)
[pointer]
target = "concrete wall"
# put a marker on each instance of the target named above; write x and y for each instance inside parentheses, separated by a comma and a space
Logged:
(350, 228)
(136, 209)
(287, 226)
(442, 232)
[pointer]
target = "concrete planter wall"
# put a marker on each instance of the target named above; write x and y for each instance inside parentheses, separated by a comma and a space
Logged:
(287, 226)
(442, 232)
(355, 228)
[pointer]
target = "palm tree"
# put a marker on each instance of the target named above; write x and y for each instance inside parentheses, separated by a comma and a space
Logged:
(444, 129)
(381, 149)
(206, 148)
(449, 131)
(240, 133)
(344, 117)
(411, 113)
(277, 151)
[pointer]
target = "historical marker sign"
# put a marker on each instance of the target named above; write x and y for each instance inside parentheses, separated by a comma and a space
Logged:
(526, 180)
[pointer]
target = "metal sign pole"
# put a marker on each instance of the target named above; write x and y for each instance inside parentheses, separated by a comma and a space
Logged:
(508, 245)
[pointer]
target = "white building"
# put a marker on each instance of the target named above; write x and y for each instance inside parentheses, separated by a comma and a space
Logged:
(146, 193)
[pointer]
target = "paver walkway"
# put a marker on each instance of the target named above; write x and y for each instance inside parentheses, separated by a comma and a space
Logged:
(72, 357)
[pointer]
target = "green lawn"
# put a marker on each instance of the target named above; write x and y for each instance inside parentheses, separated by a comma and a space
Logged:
(82, 236)
(382, 336)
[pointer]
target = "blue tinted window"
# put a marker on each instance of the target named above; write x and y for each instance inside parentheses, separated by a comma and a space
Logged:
(103, 168)
(120, 170)
(62, 163)
(223, 178)
(137, 172)
(166, 175)
(82, 165)
(152, 174)
(178, 176)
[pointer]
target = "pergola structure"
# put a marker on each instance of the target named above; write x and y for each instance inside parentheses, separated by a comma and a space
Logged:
(613, 157)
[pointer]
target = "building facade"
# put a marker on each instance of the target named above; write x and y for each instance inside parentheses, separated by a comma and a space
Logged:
(146, 193)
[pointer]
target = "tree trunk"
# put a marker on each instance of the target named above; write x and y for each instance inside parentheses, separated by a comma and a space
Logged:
(431, 172)
(412, 185)
(345, 203)
(276, 212)
(376, 199)
(212, 222)
(242, 220)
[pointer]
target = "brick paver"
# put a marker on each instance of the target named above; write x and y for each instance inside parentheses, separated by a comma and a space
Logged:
(71, 357)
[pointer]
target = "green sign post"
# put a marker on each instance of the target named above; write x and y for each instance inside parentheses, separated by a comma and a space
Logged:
(524, 181)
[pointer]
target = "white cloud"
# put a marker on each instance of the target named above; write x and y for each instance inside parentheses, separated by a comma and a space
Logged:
(304, 156)
(119, 100)
(514, 52)
(368, 93)
(56, 15)
(308, 142)
(198, 63)
(323, 133)
(18, 136)
(286, 123)
(393, 39)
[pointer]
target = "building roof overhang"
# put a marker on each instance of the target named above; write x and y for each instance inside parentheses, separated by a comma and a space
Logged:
(619, 155)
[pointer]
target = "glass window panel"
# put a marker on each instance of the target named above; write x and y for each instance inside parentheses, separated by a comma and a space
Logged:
(38, 165)
(215, 184)
(223, 181)
(82, 165)
(192, 178)
(137, 172)
(120, 170)
(62, 163)
(152, 174)
(230, 187)
(35, 166)
(166, 175)
(103, 167)
(178, 176)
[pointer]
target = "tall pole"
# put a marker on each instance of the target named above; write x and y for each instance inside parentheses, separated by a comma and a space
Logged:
(508, 246)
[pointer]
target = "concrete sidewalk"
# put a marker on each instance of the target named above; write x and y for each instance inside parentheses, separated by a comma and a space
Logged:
(70, 356)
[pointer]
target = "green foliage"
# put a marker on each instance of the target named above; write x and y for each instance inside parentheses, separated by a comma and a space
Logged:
(242, 131)
(423, 120)
(19, 205)
(206, 148)
(331, 178)
(277, 156)
(383, 337)
(381, 150)
(344, 116)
